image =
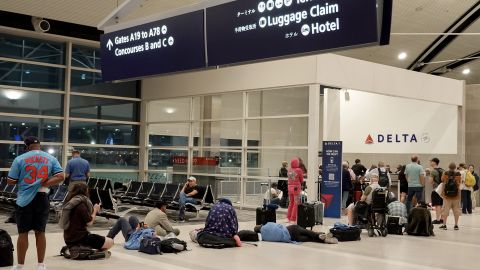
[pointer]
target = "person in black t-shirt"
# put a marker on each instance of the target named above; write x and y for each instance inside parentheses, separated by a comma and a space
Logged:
(358, 168)
(187, 195)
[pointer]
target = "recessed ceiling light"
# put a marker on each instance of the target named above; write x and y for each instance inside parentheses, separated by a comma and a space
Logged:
(402, 56)
(466, 71)
(51, 151)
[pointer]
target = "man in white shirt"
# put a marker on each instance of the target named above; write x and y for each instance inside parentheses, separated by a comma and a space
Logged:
(383, 174)
(275, 195)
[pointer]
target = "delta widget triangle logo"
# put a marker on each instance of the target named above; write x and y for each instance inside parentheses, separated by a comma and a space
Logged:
(369, 139)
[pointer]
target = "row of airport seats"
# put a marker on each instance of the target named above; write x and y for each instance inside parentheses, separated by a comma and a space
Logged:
(8, 193)
(147, 193)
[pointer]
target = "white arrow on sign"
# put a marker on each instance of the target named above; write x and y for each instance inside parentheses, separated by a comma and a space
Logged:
(109, 44)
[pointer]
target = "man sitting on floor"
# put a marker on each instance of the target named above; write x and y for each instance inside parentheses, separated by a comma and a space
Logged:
(156, 219)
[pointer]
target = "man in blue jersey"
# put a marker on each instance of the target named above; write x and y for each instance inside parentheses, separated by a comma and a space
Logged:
(78, 169)
(33, 172)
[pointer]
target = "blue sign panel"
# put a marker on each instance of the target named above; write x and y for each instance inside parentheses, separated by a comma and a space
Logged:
(332, 178)
(248, 30)
(169, 45)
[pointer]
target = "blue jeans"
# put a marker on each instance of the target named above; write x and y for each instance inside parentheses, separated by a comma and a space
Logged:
(124, 226)
(414, 191)
(184, 199)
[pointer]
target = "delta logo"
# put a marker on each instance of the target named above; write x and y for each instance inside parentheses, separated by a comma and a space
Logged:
(398, 138)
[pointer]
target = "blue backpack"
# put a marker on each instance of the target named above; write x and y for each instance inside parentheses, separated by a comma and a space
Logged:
(273, 232)
(135, 238)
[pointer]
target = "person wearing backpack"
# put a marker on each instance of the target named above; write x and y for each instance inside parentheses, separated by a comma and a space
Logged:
(451, 181)
(468, 181)
(435, 179)
(385, 179)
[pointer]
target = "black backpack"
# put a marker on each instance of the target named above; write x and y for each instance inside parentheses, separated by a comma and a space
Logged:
(440, 173)
(6, 249)
(451, 187)
(81, 253)
(168, 245)
(383, 178)
(151, 245)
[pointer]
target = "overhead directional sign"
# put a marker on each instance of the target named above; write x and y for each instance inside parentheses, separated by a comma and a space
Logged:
(250, 30)
(165, 46)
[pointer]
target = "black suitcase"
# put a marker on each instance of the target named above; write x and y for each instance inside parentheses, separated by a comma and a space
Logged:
(265, 215)
(306, 215)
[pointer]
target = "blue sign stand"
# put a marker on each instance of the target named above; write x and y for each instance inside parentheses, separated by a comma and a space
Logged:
(331, 189)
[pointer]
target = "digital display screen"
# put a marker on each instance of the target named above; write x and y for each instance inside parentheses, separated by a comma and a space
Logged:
(165, 46)
(248, 30)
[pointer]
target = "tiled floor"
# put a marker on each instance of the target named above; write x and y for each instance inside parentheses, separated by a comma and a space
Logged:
(448, 250)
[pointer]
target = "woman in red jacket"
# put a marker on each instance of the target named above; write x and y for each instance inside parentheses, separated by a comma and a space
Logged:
(295, 179)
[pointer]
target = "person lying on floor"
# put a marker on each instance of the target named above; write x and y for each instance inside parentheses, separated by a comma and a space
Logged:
(78, 213)
(156, 219)
(221, 227)
(274, 232)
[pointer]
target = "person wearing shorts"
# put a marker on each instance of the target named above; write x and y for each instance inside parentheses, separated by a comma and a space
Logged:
(81, 214)
(452, 203)
(33, 172)
(435, 180)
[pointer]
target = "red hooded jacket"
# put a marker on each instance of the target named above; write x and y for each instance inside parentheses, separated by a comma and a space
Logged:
(295, 177)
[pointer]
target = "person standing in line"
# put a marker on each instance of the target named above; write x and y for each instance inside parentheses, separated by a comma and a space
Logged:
(283, 172)
(416, 180)
(471, 168)
(385, 180)
(466, 190)
(435, 179)
(358, 168)
(451, 195)
(33, 172)
(295, 180)
(403, 184)
(347, 186)
(78, 169)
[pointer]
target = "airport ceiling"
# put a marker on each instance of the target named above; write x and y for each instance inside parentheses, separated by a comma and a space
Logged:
(417, 28)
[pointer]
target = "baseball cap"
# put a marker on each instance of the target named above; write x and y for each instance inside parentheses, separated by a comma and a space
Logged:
(436, 160)
(191, 178)
(31, 140)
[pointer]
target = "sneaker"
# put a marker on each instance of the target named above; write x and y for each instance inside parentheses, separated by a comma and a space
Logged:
(41, 266)
(443, 227)
(322, 236)
(456, 228)
(182, 220)
(331, 240)
(436, 222)
(18, 267)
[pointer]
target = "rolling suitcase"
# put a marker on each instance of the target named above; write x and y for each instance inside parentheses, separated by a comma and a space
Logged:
(265, 214)
(319, 212)
(306, 215)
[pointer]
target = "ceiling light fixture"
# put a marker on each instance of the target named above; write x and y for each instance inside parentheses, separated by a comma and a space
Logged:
(402, 56)
(13, 94)
(466, 71)
(170, 110)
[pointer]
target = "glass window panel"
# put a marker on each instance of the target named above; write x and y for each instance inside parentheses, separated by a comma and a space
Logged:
(103, 133)
(217, 161)
(102, 108)
(34, 76)
(122, 177)
(110, 158)
(83, 78)
(17, 129)
(217, 133)
(32, 49)
(161, 159)
(267, 162)
(86, 57)
(169, 134)
(29, 102)
(255, 190)
(228, 187)
(92, 83)
(160, 177)
(278, 132)
(169, 110)
(8, 152)
(288, 101)
(218, 106)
